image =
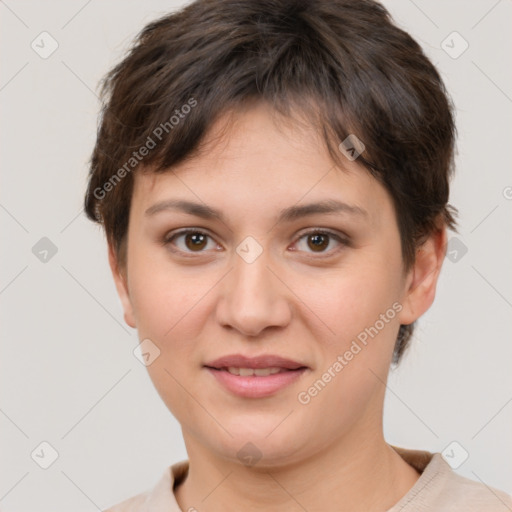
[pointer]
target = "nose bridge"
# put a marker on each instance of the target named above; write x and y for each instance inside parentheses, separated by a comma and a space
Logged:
(251, 298)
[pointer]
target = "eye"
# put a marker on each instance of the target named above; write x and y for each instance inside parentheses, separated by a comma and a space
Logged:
(318, 241)
(192, 240)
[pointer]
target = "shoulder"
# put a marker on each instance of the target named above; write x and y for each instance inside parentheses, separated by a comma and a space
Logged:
(441, 489)
(159, 498)
(469, 495)
(133, 504)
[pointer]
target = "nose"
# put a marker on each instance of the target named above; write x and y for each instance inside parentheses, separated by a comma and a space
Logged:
(252, 298)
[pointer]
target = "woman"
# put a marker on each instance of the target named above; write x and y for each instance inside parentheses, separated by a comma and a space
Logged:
(273, 180)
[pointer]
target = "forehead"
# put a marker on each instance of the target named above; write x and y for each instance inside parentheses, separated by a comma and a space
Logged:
(257, 158)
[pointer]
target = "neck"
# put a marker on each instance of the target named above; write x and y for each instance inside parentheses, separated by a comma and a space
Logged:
(347, 475)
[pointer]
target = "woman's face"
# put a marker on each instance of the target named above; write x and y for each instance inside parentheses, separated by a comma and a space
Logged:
(325, 291)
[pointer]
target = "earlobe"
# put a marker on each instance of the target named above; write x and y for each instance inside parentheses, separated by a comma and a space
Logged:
(421, 281)
(120, 281)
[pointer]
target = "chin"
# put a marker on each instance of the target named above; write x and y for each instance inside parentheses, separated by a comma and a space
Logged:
(255, 447)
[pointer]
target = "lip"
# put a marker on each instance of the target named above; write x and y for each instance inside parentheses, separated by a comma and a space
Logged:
(253, 386)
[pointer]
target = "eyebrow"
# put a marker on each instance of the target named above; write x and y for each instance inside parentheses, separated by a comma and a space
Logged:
(289, 214)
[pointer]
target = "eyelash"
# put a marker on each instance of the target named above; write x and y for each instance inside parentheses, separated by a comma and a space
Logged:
(342, 241)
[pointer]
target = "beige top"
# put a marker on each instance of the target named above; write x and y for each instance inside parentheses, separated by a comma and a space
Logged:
(438, 489)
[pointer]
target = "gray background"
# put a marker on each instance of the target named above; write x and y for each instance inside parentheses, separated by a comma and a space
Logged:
(68, 373)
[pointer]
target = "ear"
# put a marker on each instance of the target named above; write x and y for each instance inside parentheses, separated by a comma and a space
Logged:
(121, 283)
(421, 280)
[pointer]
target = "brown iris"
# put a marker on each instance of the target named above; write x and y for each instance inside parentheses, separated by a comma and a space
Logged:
(195, 241)
(319, 242)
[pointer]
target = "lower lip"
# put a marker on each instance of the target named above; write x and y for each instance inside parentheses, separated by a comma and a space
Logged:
(253, 386)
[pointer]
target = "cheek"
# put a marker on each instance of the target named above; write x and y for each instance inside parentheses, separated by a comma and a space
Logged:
(164, 297)
(169, 311)
(356, 358)
(353, 298)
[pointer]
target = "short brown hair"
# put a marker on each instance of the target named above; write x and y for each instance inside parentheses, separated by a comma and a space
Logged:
(343, 63)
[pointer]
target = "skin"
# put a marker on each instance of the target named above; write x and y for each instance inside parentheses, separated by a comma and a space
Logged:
(294, 301)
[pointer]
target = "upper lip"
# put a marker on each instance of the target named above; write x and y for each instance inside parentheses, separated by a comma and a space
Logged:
(263, 361)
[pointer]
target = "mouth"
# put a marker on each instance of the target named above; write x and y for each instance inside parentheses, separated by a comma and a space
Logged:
(256, 377)
(262, 362)
(258, 372)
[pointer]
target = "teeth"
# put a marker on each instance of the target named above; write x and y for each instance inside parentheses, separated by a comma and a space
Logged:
(263, 372)
(260, 372)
